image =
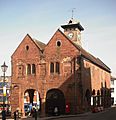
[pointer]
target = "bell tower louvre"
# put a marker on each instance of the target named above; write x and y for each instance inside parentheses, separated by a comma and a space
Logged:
(73, 31)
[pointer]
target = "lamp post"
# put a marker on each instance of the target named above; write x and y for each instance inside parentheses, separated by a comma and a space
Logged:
(4, 68)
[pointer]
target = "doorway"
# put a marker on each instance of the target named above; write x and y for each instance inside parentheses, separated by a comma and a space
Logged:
(31, 100)
(55, 98)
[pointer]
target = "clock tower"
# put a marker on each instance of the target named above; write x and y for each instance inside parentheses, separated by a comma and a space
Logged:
(73, 31)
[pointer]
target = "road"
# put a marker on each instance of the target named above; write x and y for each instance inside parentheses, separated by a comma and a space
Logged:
(109, 114)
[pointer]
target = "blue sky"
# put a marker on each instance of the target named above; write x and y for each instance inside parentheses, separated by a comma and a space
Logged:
(41, 18)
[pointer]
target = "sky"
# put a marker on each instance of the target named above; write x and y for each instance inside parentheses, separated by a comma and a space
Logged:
(41, 18)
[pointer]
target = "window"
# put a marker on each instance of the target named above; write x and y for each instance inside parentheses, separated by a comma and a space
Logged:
(1, 84)
(112, 89)
(1, 98)
(27, 47)
(57, 67)
(112, 82)
(58, 43)
(1, 91)
(33, 69)
(51, 67)
(28, 69)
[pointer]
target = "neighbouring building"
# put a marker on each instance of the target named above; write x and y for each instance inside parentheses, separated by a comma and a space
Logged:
(58, 74)
(113, 90)
(7, 96)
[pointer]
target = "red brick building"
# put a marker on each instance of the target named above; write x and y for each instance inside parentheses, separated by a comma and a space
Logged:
(61, 72)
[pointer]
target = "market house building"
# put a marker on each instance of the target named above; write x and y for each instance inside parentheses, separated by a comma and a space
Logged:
(59, 74)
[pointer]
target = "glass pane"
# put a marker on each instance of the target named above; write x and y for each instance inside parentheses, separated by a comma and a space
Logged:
(33, 69)
(57, 68)
(28, 69)
(52, 68)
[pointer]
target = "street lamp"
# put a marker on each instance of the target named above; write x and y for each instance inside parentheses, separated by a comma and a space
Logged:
(4, 68)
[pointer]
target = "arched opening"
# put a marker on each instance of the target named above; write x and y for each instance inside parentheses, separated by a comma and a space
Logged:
(55, 98)
(88, 96)
(31, 100)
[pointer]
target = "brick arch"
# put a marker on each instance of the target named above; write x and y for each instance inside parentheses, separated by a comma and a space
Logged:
(32, 92)
(30, 95)
(53, 99)
(32, 98)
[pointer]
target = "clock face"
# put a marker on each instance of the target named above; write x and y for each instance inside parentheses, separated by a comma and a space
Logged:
(70, 35)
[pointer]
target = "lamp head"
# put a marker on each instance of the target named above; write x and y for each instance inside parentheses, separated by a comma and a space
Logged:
(4, 67)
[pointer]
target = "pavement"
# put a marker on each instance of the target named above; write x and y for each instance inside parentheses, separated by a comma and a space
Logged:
(49, 118)
(53, 117)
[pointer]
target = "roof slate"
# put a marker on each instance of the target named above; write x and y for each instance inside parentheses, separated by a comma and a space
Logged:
(93, 59)
(41, 45)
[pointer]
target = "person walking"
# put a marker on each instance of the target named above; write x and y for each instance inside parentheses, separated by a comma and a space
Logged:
(3, 114)
(15, 115)
(35, 114)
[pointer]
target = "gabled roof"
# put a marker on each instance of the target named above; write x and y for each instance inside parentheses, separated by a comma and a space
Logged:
(89, 56)
(41, 45)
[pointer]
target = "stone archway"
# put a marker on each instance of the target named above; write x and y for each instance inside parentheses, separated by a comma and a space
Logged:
(55, 98)
(31, 99)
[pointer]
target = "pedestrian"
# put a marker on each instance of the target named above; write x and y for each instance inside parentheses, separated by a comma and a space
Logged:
(56, 111)
(15, 115)
(3, 114)
(35, 113)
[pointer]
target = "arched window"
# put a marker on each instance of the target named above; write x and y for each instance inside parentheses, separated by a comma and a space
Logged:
(88, 95)
(51, 67)
(58, 67)
(28, 69)
(33, 69)
(98, 92)
(93, 92)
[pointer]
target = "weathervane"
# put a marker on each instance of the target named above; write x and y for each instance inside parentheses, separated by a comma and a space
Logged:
(73, 12)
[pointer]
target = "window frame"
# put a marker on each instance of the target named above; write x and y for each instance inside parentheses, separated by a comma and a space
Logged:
(54, 67)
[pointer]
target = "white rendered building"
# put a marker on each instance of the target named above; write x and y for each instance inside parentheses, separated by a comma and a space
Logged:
(113, 90)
